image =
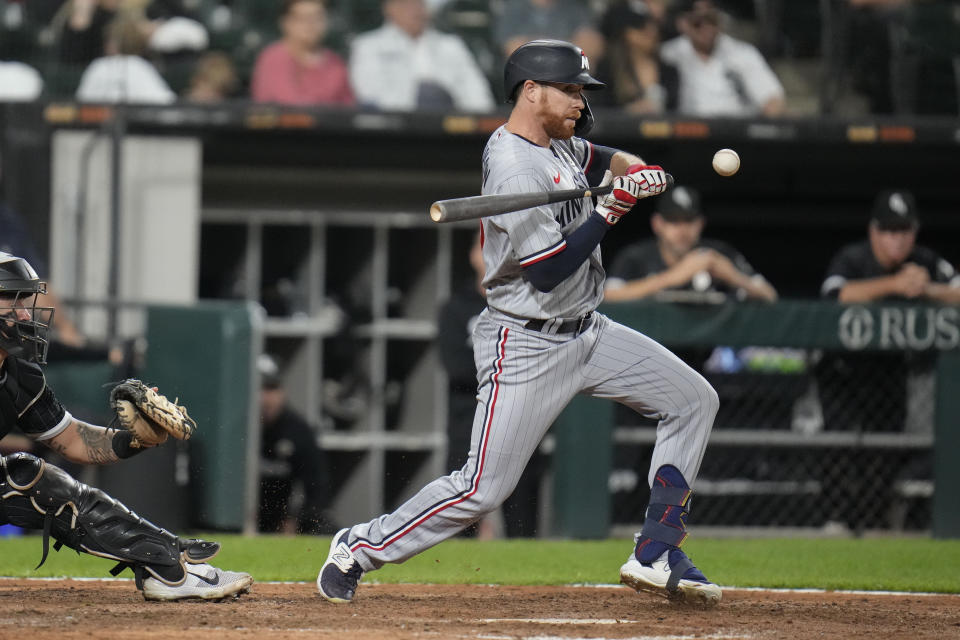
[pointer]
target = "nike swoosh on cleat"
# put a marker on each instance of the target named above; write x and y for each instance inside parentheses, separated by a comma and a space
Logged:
(214, 581)
(557, 179)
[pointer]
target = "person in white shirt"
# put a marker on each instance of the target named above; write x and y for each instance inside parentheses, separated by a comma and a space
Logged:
(720, 75)
(405, 65)
(123, 75)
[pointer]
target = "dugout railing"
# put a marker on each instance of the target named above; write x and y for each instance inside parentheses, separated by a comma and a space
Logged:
(825, 451)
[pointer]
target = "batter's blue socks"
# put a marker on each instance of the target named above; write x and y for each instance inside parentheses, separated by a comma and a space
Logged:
(665, 527)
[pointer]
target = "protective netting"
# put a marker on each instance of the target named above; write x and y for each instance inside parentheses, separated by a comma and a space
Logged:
(803, 439)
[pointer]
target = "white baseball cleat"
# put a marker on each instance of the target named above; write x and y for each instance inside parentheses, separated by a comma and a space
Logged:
(203, 581)
(655, 578)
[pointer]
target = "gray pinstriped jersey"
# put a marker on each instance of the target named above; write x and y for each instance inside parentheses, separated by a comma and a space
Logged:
(511, 241)
(525, 377)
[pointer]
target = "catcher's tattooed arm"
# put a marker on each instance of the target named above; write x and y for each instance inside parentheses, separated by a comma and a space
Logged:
(86, 443)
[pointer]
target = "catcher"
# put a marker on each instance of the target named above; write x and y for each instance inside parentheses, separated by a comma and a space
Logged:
(37, 495)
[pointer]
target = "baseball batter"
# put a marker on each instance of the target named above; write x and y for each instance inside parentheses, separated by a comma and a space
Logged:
(540, 341)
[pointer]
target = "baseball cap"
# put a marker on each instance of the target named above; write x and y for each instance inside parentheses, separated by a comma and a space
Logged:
(679, 204)
(269, 371)
(895, 210)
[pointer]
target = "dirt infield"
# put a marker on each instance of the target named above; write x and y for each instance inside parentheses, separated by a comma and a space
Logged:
(68, 609)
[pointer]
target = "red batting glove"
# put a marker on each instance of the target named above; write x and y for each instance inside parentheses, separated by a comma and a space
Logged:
(614, 205)
(651, 178)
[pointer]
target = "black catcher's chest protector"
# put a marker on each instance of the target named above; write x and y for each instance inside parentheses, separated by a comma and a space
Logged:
(25, 400)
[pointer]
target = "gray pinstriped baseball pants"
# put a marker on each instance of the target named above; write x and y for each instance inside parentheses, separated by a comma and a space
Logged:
(526, 378)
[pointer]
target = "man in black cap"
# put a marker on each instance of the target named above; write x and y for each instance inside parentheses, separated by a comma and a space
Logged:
(678, 259)
(289, 454)
(880, 391)
(889, 264)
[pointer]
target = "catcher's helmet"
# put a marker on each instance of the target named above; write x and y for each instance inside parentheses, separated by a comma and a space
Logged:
(551, 61)
(19, 286)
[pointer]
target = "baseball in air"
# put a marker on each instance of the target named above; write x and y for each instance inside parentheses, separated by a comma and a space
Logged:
(726, 162)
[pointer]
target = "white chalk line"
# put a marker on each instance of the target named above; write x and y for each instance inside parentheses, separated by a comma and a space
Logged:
(712, 636)
(853, 592)
(561, 620)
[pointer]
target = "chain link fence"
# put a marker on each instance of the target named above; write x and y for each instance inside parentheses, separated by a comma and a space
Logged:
(838, 441)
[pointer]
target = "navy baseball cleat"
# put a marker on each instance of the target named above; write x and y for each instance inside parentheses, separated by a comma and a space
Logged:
(672, 575)
(340, 574)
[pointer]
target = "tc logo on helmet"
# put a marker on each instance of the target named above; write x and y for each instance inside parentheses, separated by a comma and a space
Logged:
(584, 63)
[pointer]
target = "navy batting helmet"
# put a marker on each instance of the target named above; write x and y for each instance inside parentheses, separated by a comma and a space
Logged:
(551, 61)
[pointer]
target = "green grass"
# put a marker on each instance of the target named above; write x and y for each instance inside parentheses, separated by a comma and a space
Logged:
(870, 564)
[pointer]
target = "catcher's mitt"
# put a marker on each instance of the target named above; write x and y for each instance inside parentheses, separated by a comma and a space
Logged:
(148, 415)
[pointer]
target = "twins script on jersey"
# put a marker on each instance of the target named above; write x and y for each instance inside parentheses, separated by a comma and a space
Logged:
(511, 241)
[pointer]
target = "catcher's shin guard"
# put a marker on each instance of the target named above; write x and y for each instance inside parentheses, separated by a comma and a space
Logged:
(37, 495)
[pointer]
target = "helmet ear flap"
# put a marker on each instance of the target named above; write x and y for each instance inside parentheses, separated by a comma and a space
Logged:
(585, 121)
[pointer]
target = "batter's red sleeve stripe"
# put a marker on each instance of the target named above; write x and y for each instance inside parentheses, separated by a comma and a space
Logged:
(436, 508)
(534, 258)
(589, 159)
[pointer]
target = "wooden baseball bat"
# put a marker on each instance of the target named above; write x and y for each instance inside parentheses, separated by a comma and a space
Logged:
(483, 206)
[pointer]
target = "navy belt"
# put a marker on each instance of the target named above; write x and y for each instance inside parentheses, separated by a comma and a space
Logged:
(577, 325)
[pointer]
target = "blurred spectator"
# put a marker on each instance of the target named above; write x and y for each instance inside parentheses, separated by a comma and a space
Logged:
(638, 81)
(406, 65)
(719, 75)
(19, 82)
(169, 27)
(677, 258)
(456, 320)
(214, 78)
(525, 20)
(123, 75)
(889, 264)
(297, 69)
(289, 456)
